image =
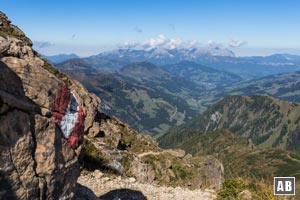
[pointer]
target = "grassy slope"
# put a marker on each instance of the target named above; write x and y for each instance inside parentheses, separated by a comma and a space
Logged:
(267, 122)
(246, 167)
(255, 165)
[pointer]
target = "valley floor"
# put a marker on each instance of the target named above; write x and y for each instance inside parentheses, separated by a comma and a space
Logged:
(97, 186)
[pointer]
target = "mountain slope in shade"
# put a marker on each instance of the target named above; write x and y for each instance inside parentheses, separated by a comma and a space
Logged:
(161, 79)
(264, 121)
(143, 95)
(104, 63)
(202, 75)
(144, 71)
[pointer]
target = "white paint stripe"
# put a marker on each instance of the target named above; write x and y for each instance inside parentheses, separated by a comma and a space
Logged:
(69, 120)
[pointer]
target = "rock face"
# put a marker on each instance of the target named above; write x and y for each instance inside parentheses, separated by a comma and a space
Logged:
(119, 149)
(43, 116)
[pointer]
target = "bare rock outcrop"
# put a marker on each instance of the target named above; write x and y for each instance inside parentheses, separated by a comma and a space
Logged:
(118, 148)
(43, 117)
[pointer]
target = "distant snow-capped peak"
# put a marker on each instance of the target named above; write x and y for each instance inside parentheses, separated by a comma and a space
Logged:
(161, 53)
(167, 47)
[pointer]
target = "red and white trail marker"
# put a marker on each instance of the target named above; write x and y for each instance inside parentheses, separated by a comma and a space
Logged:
(69, 116)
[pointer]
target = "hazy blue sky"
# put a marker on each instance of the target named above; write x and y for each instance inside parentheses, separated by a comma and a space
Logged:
(258, 27)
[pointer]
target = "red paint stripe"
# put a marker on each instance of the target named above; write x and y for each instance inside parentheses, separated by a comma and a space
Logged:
(61, 103)
(76, 135)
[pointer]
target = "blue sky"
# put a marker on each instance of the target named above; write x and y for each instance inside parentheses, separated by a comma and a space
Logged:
(88, 27)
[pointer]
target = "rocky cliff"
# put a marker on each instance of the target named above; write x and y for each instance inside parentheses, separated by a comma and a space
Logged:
(43, 116)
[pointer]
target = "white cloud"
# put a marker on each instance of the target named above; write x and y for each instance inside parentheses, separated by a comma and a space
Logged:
(42, 44)
(130, 44)
(162, 42)
(237, 43)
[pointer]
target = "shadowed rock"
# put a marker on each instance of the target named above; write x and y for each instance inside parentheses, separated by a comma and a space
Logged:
(123, 194)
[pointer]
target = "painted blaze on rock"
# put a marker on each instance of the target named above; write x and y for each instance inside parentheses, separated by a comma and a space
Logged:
(69, 116)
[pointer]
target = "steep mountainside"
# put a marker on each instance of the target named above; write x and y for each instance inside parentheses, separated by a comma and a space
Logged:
(265, 121)
(143, 95)
(43, 116)
(209, 77)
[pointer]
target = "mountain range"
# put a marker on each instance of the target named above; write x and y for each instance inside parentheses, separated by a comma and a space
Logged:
(224, 60)
(146, 96)
(202, 75)
(138, 92)
(161, 55)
